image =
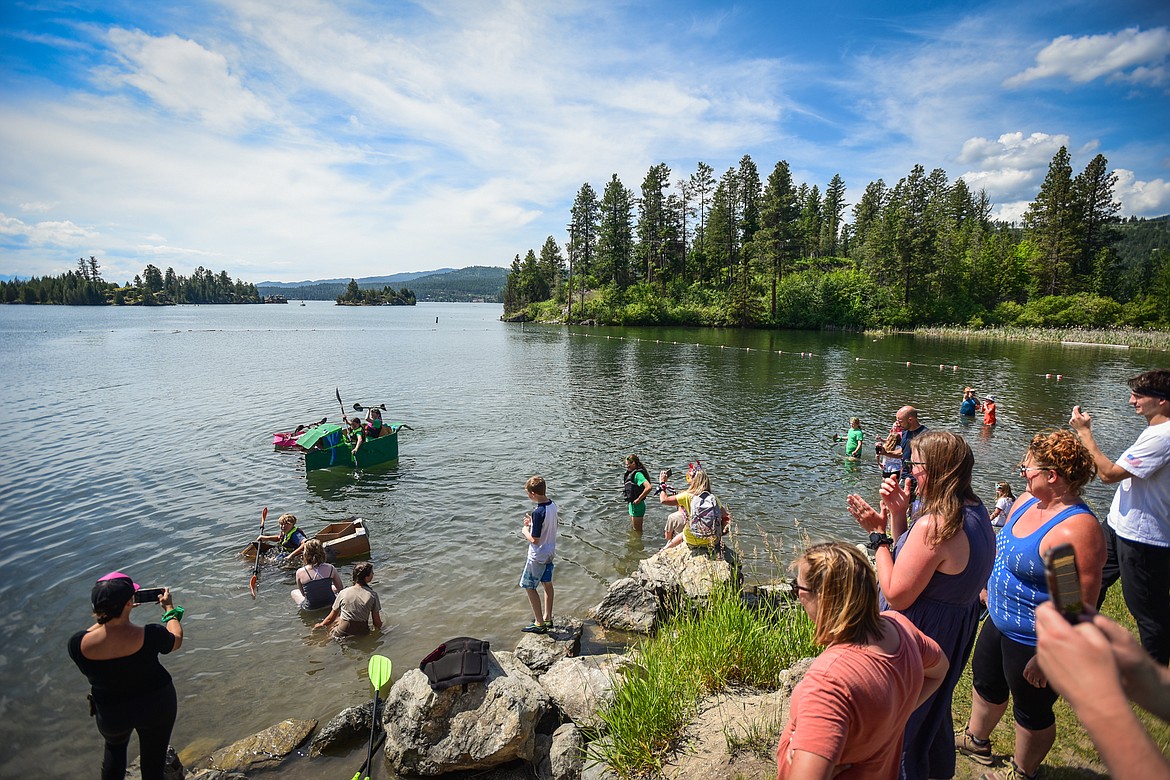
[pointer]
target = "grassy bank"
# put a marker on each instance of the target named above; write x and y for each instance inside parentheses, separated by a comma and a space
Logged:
(729, 643)
(1130, 337)
(696, 653)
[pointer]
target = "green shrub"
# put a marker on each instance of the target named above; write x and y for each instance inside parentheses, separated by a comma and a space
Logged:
(702, 649)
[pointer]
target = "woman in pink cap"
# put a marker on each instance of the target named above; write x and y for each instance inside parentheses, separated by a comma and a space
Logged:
(129, 689)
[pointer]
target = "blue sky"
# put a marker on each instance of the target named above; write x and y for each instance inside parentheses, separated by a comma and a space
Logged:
(291, 139)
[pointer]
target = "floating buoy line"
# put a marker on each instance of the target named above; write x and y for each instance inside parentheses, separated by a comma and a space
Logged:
(907, 363)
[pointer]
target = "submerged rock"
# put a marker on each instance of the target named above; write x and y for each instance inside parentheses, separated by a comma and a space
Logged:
(264, 750)
(345, 729)
(172, 770)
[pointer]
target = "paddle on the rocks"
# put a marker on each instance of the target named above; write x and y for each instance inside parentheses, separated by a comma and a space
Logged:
(256, 569)
(379, 669)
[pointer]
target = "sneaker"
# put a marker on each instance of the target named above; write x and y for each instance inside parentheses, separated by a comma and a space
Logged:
(1019, 774)
(977, 750)
(535, 628)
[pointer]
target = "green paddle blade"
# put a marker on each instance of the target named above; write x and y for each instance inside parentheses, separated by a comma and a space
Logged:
(380, 668)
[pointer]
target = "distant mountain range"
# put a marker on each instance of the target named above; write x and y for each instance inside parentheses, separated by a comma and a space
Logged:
(474, 283)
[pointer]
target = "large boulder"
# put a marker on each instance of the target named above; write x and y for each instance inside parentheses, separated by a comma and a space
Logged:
(660, 584)
(490, 723)
(628, 606)
(581, 686)
(264, 750)
(540, 651)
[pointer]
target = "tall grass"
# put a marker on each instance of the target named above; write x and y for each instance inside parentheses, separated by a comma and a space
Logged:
(702, 649)
(1132, 337)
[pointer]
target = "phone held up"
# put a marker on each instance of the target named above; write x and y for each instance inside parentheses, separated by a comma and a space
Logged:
(1064, 587)
(147, 595)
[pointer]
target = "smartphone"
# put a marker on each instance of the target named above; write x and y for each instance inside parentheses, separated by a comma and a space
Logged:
(1064, 587)
(147, 595)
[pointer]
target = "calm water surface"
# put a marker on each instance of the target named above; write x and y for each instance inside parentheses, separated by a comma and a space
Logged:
(140, 439)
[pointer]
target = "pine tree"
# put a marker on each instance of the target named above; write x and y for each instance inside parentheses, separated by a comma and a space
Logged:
(615, 234)
(1052, 227)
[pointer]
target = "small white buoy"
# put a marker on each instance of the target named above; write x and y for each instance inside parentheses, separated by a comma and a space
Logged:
(1059, 377)
(907, 364)
(1048, 376)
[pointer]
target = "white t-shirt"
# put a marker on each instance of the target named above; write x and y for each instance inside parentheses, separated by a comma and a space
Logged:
(1141, 506)
(1004, 505)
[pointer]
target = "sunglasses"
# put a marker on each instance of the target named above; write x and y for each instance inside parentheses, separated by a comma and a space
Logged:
(797, 588)
(1025, 469)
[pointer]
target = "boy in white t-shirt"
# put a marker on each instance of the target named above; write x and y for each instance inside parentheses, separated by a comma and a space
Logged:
(540, 529)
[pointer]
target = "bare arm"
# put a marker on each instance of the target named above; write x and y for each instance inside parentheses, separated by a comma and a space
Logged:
(376, 616)
(174, 627)
(901, 581)
(933, 679)
(1107, 471)
(1080, 662)
(808, 766)
(329, 619)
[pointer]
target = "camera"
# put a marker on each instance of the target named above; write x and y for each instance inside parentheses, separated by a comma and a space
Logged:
(879, 448)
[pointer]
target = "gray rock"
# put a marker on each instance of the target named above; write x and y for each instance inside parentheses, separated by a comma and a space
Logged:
(581, 686)
(629, 606)
(345, 729)
(567, 754)
(540, 651)
(682, 570)
(214, 774)
(491, 723)
(264, 750)
(172, 770)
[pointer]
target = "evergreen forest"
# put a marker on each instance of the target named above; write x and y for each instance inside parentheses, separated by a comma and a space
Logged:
(738, 251)
(85, 287)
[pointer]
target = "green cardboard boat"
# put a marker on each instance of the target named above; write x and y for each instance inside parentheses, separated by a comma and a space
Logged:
(325, 447)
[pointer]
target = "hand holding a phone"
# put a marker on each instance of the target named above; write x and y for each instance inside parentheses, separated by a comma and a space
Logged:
(1076, 657)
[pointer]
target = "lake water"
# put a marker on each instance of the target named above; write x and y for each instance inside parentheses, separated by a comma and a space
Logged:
(140, 439)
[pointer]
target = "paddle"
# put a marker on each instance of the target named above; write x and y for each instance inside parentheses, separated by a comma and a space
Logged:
(256, 569)
(303, 427)
(379, 675)
(360, 408)
(337, 392)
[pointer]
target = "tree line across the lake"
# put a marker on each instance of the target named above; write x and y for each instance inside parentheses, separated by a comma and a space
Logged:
(738, 251)
(85, 287)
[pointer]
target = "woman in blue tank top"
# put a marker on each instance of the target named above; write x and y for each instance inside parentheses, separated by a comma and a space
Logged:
(1056, 469)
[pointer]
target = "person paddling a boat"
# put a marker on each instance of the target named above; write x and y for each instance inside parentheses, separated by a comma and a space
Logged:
(291, 539)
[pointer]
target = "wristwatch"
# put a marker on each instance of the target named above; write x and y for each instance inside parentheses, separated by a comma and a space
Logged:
(876, 540)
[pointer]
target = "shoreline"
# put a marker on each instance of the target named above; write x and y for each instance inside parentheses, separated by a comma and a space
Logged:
(1114, 338)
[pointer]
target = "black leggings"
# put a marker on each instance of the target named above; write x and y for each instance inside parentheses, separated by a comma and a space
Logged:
(152, 715)
(997, 666)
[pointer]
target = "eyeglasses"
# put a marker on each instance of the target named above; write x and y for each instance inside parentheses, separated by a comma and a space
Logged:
(913, 463)
(1025, 469)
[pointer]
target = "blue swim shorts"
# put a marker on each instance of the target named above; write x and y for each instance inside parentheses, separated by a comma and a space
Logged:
(535, 573)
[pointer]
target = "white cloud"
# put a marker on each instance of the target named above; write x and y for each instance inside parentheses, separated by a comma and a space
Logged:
(1141, 197)
(184, 77)
(1130, 55)
(1010, 168)
(50, 233)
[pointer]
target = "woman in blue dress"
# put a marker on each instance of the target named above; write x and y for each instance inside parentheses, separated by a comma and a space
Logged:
(933, 575)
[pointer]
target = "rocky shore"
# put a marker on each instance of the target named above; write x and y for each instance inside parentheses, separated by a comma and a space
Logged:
(535, 711)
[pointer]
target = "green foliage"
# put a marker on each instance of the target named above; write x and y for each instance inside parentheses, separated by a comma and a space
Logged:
(85, 287)
(704, 648)
(387, 296)
(923, 252)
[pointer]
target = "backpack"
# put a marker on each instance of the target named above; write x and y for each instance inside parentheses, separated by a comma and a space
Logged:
(457, 661)
(631, 489)
(705, 519)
